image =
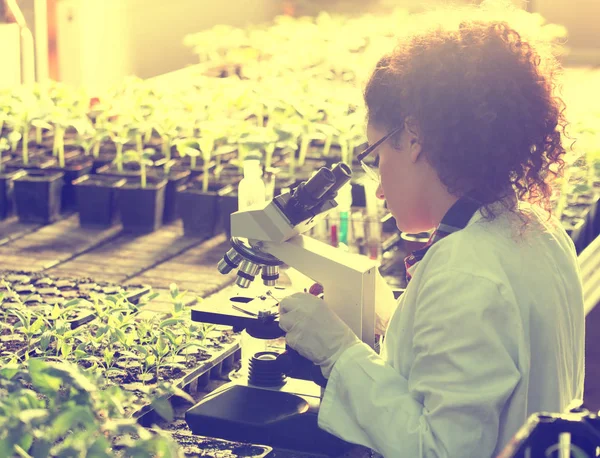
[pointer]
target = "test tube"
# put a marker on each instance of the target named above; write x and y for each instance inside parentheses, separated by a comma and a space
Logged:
(373, 225)
(358, 230)
(344, 199)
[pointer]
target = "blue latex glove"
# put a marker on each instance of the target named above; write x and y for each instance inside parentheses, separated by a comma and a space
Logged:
(314, 330)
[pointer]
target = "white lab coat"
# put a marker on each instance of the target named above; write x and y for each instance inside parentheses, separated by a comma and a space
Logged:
(489, 330)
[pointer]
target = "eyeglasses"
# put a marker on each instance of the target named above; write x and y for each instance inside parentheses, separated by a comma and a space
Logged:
(373, 172)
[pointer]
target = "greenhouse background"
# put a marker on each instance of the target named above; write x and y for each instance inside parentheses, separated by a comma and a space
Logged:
(129, 129)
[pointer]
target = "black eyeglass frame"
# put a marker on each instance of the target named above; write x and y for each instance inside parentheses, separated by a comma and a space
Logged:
(368, 169)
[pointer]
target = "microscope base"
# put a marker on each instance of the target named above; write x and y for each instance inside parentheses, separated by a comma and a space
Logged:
(263, 416)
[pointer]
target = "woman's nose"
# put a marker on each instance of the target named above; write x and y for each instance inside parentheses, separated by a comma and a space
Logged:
(379, 192)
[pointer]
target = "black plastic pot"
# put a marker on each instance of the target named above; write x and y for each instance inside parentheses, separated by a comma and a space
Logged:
(33, 150)
(184, 162)
(6, 192)
(230, 174)
(104, 158)
(141, 209)
(158, 159)
(71, 152)
(97, 200)
(130, 169)
(111, 170)
(38, 196)
(228, 204)
(177, 177)
(199, 209)
(223, 156)
(73, 169)
(35, 163)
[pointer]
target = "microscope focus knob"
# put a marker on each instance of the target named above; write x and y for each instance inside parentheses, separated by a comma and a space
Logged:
(316, 289)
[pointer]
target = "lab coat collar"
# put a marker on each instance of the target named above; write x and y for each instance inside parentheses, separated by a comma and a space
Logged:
(452, 221)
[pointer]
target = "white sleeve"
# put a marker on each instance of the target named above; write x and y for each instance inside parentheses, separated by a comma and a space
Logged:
(462, 375)
(385, 304)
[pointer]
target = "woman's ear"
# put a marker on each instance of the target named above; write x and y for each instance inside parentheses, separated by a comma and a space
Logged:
(413, 137)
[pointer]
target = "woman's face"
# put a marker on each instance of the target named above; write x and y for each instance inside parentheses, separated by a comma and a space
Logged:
(402, 179)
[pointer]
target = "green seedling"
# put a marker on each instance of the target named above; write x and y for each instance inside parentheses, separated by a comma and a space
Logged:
(351, 128)
(99, 135)
(261, 141)
(143, 160)
(161, 349)
(86, 143)
(137, 135)
(189, 147)
(196, 147)
(145, 331)
(25, 109)
(64, 339)
(168, 129)
(29, 324)
(148, 130)
(148, 362)
(309, 117)
(40, 125)
(120, 139)
(62, 120)
(14, 138)
(330, 133)
(289, 133)
(206, 144)
(177, 299)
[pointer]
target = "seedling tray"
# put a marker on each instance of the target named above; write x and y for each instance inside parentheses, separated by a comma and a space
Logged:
(38, 289)
(222, 360)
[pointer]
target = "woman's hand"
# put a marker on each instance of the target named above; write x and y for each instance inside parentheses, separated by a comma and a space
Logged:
(314, 330)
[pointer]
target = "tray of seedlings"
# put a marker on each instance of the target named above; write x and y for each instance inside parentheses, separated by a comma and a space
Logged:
(129, 346)
(42, 292)
(32, 305)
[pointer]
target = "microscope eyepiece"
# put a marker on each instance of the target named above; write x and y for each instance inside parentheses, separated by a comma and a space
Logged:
(309, 193)
(320, 183)
(342, 174)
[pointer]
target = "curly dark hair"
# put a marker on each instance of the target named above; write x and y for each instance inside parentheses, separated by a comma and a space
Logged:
(483, 102)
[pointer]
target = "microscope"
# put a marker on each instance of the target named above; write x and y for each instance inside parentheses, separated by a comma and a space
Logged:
(277, 404)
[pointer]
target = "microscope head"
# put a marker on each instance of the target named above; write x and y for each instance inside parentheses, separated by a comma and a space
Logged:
(286, 216)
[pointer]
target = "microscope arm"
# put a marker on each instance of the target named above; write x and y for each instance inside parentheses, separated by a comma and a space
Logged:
(352, 283)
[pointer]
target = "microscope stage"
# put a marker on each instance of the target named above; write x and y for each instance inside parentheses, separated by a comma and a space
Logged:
(240, 308)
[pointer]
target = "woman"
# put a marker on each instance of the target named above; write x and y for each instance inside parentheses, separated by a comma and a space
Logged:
(490, 329)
